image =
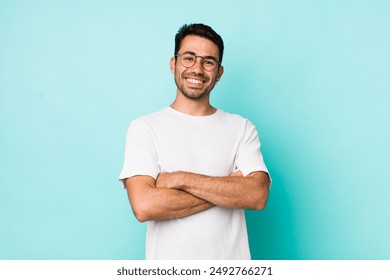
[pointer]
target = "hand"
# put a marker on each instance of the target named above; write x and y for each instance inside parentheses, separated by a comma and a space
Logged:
(168, 180)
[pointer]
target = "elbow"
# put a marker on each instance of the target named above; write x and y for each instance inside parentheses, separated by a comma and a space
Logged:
(141, 208)
(141, 217)
(259, 201)
(141, 213)
(259, 204)
(138, 191)
(260, 189)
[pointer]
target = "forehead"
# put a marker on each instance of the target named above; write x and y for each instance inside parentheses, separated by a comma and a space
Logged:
(199, 45)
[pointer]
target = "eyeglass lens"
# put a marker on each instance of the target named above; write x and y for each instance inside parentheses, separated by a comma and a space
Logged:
(189, 60)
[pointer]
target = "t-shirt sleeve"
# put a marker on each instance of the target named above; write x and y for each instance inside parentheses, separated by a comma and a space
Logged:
(140, 153)
(249, 157)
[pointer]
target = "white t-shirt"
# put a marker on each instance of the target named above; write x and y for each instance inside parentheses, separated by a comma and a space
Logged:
(214, 145)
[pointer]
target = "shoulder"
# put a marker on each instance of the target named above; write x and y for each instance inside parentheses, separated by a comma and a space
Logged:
(234, 118)
(148, 120)
(241, 125)
(150, 117)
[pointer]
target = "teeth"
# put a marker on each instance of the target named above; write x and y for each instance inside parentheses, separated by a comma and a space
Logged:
(194, 81)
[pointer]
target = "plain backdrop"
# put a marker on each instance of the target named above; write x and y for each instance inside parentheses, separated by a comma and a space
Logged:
(313, 76)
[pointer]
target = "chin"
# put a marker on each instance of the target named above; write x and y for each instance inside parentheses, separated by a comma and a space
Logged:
(195, 96)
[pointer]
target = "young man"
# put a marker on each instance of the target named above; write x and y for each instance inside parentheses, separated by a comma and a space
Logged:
(190, 169)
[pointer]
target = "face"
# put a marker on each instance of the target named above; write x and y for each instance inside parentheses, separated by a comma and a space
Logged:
(195, 82)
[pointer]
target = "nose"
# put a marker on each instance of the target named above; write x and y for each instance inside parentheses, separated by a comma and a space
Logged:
(198, 66)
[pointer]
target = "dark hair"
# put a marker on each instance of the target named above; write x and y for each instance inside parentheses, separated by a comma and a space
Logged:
(200, 30)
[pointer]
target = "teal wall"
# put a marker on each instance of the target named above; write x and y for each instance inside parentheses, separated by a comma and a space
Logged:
(313, 76)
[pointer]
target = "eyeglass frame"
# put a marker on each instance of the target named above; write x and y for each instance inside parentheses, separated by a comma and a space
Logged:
(203, 57)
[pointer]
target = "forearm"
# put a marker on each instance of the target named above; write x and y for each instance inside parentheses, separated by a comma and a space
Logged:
(150, 203)
(164, 204)
(250, 192)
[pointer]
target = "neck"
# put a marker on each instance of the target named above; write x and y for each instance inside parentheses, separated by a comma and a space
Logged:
(193, 107)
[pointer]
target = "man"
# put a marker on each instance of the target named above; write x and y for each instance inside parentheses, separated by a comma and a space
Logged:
(190, 169)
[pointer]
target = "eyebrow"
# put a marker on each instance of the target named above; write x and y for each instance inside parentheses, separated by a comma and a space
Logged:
(206, 56)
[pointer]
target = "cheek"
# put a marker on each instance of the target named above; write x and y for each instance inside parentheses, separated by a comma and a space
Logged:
(177, 74)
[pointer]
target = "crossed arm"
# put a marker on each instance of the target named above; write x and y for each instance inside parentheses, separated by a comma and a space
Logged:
(180, 194)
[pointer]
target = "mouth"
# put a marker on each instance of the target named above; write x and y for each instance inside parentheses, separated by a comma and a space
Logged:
(194, 81)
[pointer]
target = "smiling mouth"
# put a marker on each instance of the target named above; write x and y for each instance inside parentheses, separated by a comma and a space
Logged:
(194, 81)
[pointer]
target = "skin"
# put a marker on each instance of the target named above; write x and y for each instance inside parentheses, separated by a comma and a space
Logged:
(234, 191)
(180, 194)
(194, 98)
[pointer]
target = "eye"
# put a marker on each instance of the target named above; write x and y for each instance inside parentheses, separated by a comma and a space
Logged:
(209, 62)
(188, 58)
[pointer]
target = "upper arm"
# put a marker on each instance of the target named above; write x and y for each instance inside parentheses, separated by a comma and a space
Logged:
(249, 156)
(140, 153)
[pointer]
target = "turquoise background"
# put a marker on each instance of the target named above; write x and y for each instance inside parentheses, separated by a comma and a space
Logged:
(313, 76)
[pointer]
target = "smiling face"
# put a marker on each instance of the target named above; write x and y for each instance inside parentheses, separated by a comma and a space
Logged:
(194, 82)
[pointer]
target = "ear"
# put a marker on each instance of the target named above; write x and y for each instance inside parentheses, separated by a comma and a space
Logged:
(220, 73)
(172, 64)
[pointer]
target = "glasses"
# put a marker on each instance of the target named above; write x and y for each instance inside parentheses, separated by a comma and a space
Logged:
(188, 60)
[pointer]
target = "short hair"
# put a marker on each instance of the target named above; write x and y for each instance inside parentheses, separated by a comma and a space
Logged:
(200, 30)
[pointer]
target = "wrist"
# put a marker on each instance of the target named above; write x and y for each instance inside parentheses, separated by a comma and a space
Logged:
(180, 180)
